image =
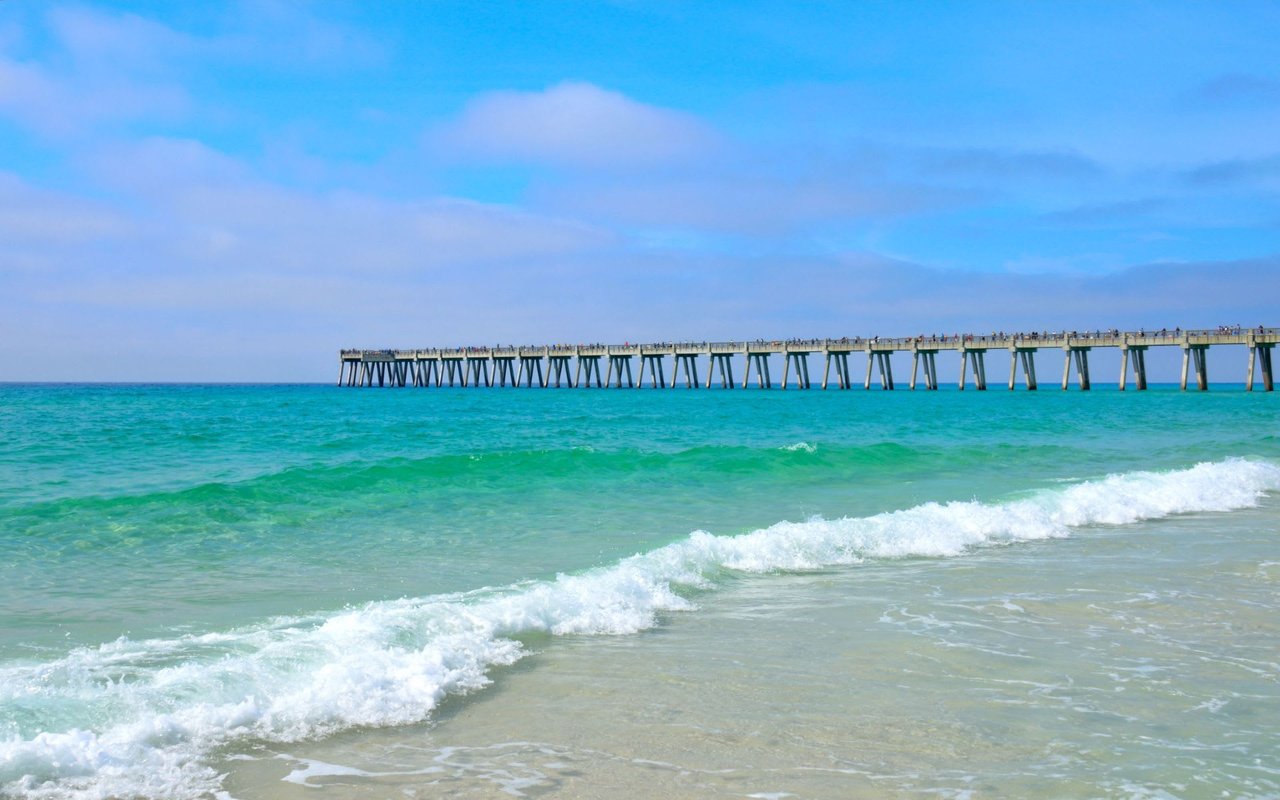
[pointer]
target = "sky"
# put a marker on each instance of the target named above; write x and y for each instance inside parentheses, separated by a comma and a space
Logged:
(233, 191)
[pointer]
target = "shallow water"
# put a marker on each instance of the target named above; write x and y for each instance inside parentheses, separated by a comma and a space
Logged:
(259, 591)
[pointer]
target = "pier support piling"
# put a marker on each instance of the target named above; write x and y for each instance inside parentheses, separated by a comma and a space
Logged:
(1028, 368)
(558, 370)
(842, 368)
(429, 371)
(657, 371)
(455, 371)
(801, 362)
(478, 369)
(725, 362)
(1260, 353)
(1138, 356)
(929, 362)
(1199, 355)
(689, 363)
(1081, 355)
(527, 365)
(591, 364)
(886, 370)
(761, 363)
(618, 363)
(504, 369)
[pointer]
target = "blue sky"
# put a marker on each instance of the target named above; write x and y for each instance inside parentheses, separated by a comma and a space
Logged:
(233, 191)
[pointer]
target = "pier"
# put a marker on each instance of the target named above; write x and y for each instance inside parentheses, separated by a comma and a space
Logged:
(625, 365)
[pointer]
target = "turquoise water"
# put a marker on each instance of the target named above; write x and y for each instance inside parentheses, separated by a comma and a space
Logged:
(263, 591)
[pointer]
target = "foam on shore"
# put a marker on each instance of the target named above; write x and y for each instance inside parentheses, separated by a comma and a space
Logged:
(139, 718)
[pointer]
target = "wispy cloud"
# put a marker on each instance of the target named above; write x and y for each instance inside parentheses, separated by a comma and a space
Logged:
(1239, 88)
(746, 205)
(1120, 212)
(573, 124)
(116, 40)
(1236, 172)
(66, 104)
(1008, 163)
(30, 214)
(111, 68)
(206, 210)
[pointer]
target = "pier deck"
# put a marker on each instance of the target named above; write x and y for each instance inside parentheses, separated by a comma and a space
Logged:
(549, 366)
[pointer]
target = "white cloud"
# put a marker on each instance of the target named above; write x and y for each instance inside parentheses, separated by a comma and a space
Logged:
(45, 221)
(574, 124)
(742, 204)
(194, 251)
(114, 40)
(103, 69)
(204, 210)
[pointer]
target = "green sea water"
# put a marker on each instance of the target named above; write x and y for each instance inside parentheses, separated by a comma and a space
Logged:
(278, 591)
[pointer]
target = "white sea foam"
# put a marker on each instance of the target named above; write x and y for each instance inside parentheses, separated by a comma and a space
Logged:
(137, 718)
(805, 447)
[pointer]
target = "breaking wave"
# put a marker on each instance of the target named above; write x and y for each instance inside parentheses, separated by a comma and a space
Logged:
(139, 718)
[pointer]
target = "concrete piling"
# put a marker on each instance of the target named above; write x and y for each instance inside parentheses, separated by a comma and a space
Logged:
(800, 360)
(761, 363)
(886, 370)
(1197, 355)
(591, 364)
(725, 362)
(1028, 368)
(558, 367)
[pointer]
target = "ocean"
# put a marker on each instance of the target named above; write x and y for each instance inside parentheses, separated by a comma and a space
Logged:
(306, 591)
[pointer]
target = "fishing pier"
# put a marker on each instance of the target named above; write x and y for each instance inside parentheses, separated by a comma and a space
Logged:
(625, 365)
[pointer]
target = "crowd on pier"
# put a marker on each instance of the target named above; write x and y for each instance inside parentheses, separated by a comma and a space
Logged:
(936, 338)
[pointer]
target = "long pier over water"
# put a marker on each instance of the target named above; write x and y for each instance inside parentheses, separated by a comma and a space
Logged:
(625, 365)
